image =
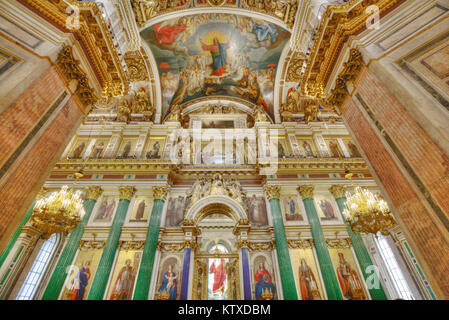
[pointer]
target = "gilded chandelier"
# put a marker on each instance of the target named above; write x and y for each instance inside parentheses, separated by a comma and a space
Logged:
(59, 212)
(366, 213)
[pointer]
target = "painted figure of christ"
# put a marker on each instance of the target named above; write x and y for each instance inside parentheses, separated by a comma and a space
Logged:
(218, 53)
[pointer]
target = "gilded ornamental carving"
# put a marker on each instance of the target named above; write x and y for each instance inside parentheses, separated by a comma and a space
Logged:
(338, 243)
(273, 192)
(160, 192)
(306, 192)
(338, 191)
(127, 192)
(300, 244)
(93, 192)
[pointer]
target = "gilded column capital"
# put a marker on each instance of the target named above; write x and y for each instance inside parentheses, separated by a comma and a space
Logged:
(127, 192)
(160, 193)
(273, 192)
(41, 193)
(93, 192)
(243, 243)
(338, 191)
(190, 244)
(306, 192)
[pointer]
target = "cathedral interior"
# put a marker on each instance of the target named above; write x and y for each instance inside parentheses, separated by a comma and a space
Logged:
(224, 150)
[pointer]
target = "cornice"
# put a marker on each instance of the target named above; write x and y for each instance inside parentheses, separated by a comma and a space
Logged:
(337, 25)
(93, 37)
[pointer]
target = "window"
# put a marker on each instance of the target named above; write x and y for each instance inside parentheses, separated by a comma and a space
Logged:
(40, 265)
(399, 282)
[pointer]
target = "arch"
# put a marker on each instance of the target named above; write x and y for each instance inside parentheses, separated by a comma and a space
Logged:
(216, 204)
(224, 10)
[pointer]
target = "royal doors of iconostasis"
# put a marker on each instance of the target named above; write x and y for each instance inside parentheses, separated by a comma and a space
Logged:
(216, 266)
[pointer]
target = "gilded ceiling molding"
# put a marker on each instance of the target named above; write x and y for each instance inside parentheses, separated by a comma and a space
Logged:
(93, 36)
(339, 22)
(137, 70)
(69, 66)
(350, 72)
(282, 10)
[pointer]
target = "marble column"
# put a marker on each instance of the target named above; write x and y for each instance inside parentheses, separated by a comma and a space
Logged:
(66, 259)
(285, 266)
(100, 280)
(377, 293)
(18, 231)
(324, 258)
(243, 244)
(149, 251)
(189, 245)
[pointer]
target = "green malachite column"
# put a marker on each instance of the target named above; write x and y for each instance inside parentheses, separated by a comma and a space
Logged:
(359, 248)
(18, 231)
(149, 251)
(285, 266)
(324, 258)
(107, 257)
(66, 259)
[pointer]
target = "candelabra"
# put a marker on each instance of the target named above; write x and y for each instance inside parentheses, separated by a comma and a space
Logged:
(366, 213)
(59, 212)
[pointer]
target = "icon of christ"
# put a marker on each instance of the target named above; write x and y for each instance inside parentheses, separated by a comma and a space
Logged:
(219, 276)
(218, 53)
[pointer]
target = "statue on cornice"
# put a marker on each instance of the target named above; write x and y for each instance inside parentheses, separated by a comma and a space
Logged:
(175, 114)
(310, 112)
(123, 111)
(259, 114)
(141, 101)
(290, 106)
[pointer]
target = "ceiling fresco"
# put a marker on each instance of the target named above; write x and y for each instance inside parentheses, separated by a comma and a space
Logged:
(216, 55)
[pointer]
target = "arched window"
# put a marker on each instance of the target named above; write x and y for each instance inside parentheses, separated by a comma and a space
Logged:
(399, 282)
(40, 266)
(218, 248)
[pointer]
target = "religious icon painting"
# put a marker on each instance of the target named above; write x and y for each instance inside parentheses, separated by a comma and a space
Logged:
(106, 209)
(307, 148)
(98, 149)
(325, 208)
(257, 210)
(154, 149)
(353, 151)
(282, 149)
(176, 206)
(216, 55)
(81, 274)
(169, 278)
(263, 279)
(141, 209)
(126, 149)
(307, 274)
(292, 211)
(78, 150)
(218, 124)
(334, 149)
(124, 275)
(349, 278)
